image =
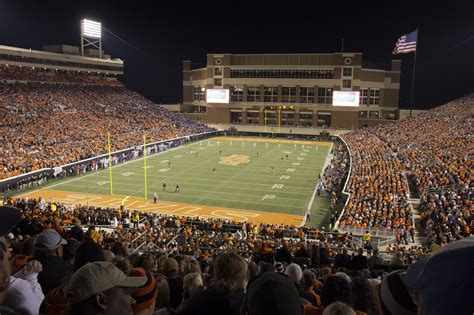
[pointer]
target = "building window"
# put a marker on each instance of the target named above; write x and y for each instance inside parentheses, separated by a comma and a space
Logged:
(374, 96)
(271, 94)
(325, 96)
(237, 93)
(217, 82)
(288, 94)
(253, 94)
(364, 96)
(218, 71)
(346, 84)
(282, 74)
(306, 95)
(374, 114)
(363, 114)
(347, 72)
(199, 93)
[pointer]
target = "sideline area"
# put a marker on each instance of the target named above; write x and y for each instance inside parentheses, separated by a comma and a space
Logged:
(163, 207)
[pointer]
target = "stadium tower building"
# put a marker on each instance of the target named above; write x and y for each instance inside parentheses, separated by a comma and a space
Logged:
(335, 90)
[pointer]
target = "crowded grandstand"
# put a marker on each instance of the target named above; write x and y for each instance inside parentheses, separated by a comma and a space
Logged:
(401, 216)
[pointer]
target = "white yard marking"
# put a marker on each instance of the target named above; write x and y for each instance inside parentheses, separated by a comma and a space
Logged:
(164, 161)
(285, 177)
(178, 156)
(268, 197)
(290, 170)
(295, 164)
(303, 154)
(127, 173)
(300, 159)
(277, 186)
(162, 170)
(102, 182)
(148, 166)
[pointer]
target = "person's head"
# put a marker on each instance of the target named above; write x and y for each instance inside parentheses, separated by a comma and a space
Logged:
(169, 265)
(230, 273)
(146, 261)
(191, 267)
(192, 283)
(5, 268)
(101, 288)
(145, 296)
(364, 297)
(267, 267)
(119, 249)
(163, 292)
(294, 272)
(394, 295)
(335, 289)
(338, 308)
(272, 293)
(88, 252)
(49, 243)
(9, 218)
(76, 233)
(447, 273)
(308, 278)
(123, 264)
(109, 255)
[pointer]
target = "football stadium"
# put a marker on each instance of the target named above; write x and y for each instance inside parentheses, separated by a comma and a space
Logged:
(188, 179)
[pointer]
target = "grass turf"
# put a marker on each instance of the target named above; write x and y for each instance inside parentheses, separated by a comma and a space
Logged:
(249, 185)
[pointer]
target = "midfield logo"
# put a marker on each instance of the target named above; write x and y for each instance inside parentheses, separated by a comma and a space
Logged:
(234, 159)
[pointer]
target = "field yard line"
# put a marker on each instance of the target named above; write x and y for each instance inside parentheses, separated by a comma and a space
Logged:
(94, 173)
(226, 181)
(326, 163)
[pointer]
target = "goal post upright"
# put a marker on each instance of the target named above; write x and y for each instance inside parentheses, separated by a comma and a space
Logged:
(144, 164)
(110, 163)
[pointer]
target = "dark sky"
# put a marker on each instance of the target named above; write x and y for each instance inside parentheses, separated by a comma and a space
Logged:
(167, 32)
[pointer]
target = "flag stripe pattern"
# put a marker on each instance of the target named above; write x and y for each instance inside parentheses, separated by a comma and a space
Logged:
(406, 43)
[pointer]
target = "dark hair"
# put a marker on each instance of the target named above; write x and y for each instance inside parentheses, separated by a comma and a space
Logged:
(119, 249)
(336, 289)
(363, 296)
(88, 252)
(230, 271)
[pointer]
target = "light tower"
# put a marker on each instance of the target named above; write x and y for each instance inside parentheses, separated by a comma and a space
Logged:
(91, 35)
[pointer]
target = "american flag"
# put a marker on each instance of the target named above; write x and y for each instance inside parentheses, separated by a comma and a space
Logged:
(406, 43)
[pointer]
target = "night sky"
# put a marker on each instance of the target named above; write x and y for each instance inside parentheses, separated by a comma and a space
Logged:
(167, 32)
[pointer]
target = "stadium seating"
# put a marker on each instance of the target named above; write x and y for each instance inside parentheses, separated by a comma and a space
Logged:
(48, 125)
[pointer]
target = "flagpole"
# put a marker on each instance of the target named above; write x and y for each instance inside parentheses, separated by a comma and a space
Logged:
(413, 77)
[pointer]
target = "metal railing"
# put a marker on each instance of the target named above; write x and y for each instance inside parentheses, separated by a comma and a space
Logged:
(50, 171)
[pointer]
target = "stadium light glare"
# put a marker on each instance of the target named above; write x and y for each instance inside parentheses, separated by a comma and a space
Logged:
(91, 29)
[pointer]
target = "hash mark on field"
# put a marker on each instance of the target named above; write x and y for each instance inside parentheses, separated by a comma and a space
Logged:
(102, 182)
(127, 173)
(290, 170)
(295, 164)
(268, 197)
(285, 177)
(300, 159)
(277, 186)
(178, 156)
(148, 166)
(303, 154)
(162, 170)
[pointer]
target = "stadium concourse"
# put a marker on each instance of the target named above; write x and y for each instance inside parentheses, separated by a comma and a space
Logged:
(57, 260)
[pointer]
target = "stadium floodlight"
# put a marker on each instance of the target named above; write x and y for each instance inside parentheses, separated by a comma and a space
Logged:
(91, 29)
(91, 35)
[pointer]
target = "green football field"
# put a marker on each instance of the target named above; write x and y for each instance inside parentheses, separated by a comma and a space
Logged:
(243, 177)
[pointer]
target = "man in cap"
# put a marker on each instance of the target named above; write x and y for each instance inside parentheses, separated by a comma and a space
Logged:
(101, 288)
(444, 282)
(49, 251)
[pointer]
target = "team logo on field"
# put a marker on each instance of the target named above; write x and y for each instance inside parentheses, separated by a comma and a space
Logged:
(234, 159)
